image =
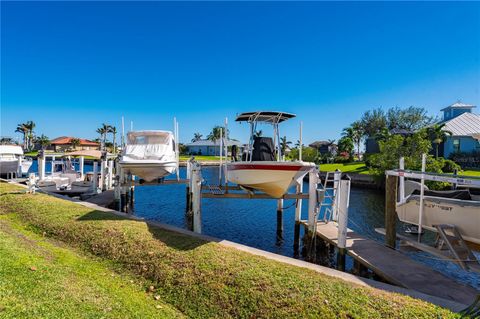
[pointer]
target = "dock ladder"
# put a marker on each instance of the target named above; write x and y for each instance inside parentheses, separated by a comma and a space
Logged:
(215, 189)
(456, 245)
(331, 178)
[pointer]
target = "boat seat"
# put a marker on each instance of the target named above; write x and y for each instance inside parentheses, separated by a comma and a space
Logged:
(263, 149)
(455, 194)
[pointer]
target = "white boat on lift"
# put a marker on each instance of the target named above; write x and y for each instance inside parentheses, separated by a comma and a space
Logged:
(457, 207)
(150, 155)
(261, 168)
(13, 161)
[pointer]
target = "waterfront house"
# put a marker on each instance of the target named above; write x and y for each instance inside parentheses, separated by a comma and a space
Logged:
(325, 147)
(208, 147)
(464, 125)
(64, 143)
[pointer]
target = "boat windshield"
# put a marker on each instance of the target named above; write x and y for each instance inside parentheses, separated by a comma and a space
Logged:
(139, 138)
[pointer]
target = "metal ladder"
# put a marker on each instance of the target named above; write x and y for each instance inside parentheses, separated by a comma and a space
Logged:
(215, 190)
(332, 195)
(456, 245)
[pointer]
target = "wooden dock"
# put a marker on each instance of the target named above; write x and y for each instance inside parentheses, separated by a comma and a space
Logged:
(396, 268)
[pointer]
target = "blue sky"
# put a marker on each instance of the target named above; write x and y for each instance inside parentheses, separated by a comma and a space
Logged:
(70, 66)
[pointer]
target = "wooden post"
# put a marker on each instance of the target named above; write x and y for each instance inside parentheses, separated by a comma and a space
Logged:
(82, 167)
(337, 175)
(123, 192)
(196, 198)
(41, 165)
(312, 199)
(110, 175)
(52, 168)
(95, 176)
(116, 193)
(132, 194)
(102, 175)
(390, 211)
(401, 191)
(19, 167)
(296, 240)
(343, 194)
(298, 204)
(279, 220)
(422, 192)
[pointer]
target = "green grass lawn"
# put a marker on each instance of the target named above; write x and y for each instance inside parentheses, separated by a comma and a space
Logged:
(470, 172)
(349, 167)
(198, 278)
(40, 278)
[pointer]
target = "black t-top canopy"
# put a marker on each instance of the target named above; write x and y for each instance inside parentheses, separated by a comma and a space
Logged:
(264, 116)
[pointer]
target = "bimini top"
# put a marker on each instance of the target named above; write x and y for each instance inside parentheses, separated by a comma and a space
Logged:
(264, 116)
(149, 137)
(11, 149)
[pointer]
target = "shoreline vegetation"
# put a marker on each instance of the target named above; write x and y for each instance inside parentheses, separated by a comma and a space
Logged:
(353, 167)
(42, 239)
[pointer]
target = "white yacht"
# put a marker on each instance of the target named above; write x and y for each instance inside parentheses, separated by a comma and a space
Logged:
(150, 155)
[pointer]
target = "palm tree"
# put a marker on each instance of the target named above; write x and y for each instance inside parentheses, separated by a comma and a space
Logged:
(75, 142)
(21, 128)
(438, 135)
(43, 140)
(215, 134)
(356, 133)
(284, 144)
(113, 130)
(103, 131)
(196, 137)
(30, 125)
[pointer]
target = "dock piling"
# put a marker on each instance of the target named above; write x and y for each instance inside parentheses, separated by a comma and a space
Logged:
(312, 199)
(390, 213)
(196, 184)
(82, 167)
(279, 220)
(95, 176)
(343, 195)
(41, 165)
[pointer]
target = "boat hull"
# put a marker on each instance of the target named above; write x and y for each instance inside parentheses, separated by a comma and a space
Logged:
(8, 166)
(149, 171)
(465, 215)
(272, 178)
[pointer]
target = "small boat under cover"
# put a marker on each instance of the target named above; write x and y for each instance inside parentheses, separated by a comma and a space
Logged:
(149, 155)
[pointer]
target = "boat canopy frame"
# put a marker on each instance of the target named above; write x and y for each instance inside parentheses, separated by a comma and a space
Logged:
(270, 117)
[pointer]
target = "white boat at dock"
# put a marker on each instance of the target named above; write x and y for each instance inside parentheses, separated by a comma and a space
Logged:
(262, 168)
(458, 208)
(149, 154)
(12, 160)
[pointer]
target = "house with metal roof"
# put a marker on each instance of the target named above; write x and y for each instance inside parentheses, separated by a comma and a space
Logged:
(464, 125)
(212, 148)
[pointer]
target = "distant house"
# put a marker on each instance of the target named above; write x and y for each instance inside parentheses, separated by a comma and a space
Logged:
(465, 128)
(208, 147)
(325, 147)
(64, 143)
(371, 143)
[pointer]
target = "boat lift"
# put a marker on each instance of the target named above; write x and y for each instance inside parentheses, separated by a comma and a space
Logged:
(448, 236)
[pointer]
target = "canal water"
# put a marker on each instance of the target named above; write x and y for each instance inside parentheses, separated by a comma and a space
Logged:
(253, 222)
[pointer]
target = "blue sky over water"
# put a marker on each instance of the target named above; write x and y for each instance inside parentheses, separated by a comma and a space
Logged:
(70, 66)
